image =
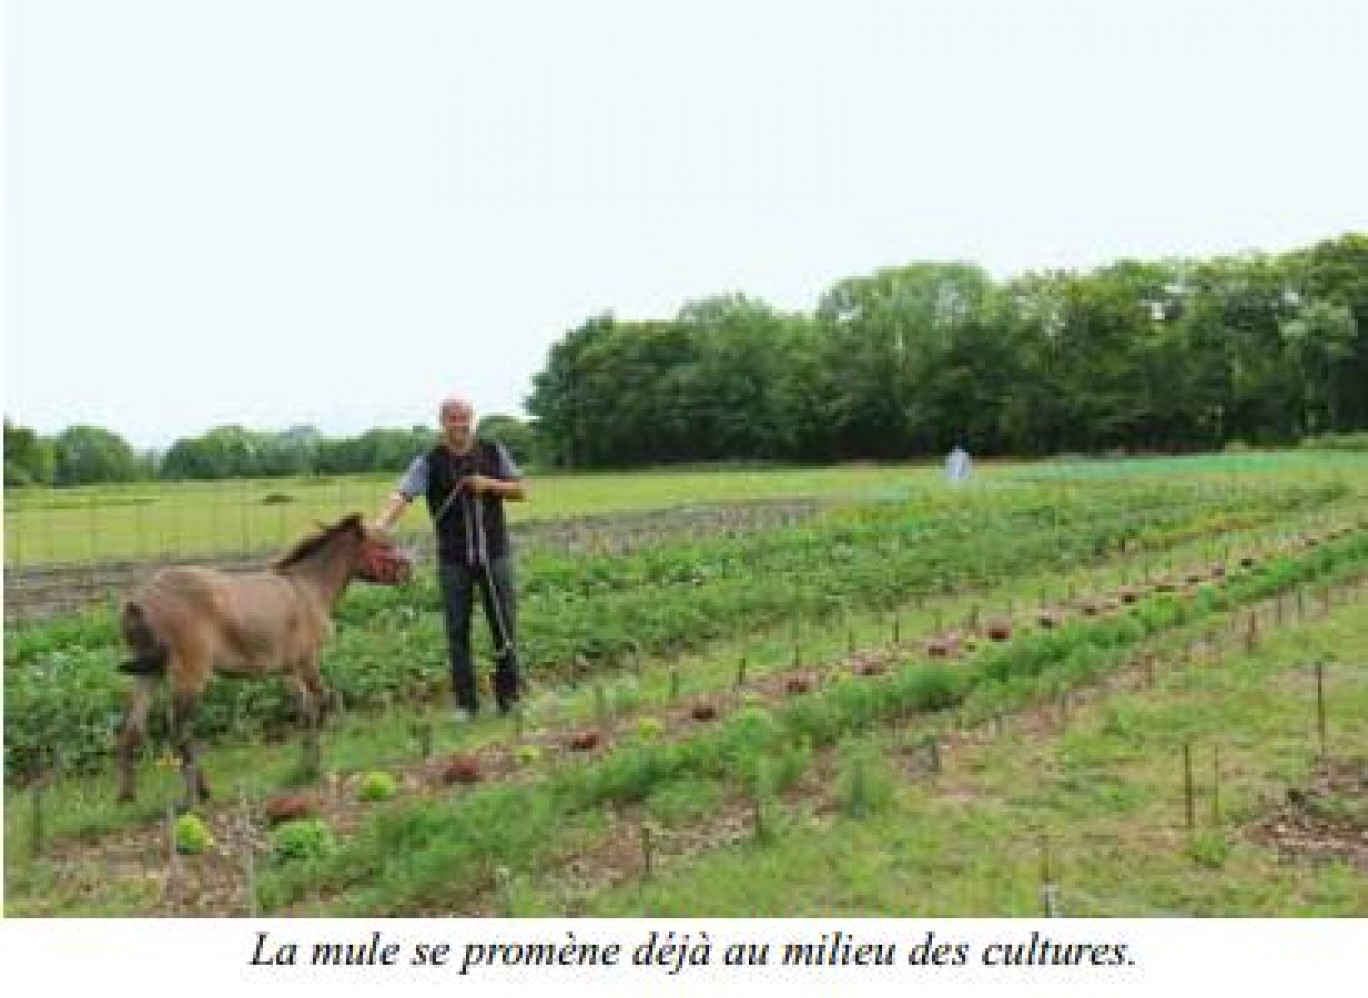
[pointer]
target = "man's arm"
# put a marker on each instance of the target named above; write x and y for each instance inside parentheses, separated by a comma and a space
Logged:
(509, 483)
(413, 483)
(389, 513)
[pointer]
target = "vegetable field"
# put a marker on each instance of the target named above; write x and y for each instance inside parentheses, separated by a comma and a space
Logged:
(1101, 688)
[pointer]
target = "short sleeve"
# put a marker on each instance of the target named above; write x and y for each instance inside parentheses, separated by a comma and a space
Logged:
(415, 480)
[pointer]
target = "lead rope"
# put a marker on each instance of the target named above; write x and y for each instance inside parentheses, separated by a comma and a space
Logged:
(477, 552)
(505, 638)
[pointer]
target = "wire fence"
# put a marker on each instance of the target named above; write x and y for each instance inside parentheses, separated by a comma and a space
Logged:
(233, 518)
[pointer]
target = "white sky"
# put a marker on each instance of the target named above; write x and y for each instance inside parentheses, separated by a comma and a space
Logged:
(273, 212)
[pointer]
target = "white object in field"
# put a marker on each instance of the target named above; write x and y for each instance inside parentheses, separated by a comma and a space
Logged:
(958, 465)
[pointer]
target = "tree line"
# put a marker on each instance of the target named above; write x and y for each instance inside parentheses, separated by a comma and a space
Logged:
(1137, 356)
(1140, 356)
(85, 455)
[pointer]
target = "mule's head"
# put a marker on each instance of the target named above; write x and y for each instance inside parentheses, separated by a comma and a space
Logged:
(371, 554)
(379, 560)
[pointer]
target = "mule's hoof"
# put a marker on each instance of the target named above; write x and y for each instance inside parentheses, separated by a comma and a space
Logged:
(125, 797)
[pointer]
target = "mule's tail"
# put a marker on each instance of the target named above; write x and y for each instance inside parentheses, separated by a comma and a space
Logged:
(149, 652)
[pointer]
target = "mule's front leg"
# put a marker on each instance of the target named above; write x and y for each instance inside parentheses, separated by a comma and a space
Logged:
(311, 716)
(130, 741)
(132, 735)
(182, 736)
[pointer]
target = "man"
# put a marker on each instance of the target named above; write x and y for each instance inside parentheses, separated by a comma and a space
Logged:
(466, 480)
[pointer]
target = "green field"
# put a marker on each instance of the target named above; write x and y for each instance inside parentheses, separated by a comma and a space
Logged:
(182, 520)
(190, 519)
(836, 655)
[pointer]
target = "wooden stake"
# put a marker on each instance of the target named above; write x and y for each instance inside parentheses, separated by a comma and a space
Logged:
(171, 889)
(422, 734)
(1187, 787)
(1320, 706)
(1216, 785)
(1049, 891)
(248, 857)
(312, 753)
(503, 877)
(646, 863)
(601, 708)
(37, 828)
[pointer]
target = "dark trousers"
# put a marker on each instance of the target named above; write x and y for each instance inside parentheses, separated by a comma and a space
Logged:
(459, 582)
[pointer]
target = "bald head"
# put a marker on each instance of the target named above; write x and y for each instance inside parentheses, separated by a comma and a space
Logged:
(458, 423)
(456, 403)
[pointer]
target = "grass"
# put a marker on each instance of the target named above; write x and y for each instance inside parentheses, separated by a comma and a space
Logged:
(371, 740)
(97, 524)
(1103, 797)
(190, 519)
(1088, 773)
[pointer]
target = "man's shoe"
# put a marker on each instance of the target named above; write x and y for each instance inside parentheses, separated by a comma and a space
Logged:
(463, 715)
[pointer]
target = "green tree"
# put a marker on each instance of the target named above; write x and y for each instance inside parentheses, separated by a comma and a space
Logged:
(734, 395)
(1318, 338)
(1335, 271)
(89, 455)
(520, 437)
(885, 338)
(223, 452)
(29, 458)
(290, 452)
(563, 403)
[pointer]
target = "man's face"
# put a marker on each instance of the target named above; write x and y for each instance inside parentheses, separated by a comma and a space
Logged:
(458, 425)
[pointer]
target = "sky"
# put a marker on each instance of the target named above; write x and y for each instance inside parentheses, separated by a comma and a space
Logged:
(337, 212)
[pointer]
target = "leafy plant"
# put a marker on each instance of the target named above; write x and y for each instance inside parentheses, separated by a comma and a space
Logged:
(865, 783)
(378, 786)
(192, 834)
(306, 840)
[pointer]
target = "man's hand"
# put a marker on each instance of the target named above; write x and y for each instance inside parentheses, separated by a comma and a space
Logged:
(477, 484)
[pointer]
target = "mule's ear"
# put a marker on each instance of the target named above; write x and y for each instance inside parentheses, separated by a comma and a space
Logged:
(353, 523)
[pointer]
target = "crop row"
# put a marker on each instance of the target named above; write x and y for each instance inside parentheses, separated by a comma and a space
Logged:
(440, 850)
(63, 696)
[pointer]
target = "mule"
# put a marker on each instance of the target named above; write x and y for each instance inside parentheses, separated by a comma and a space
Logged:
(187, 623)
